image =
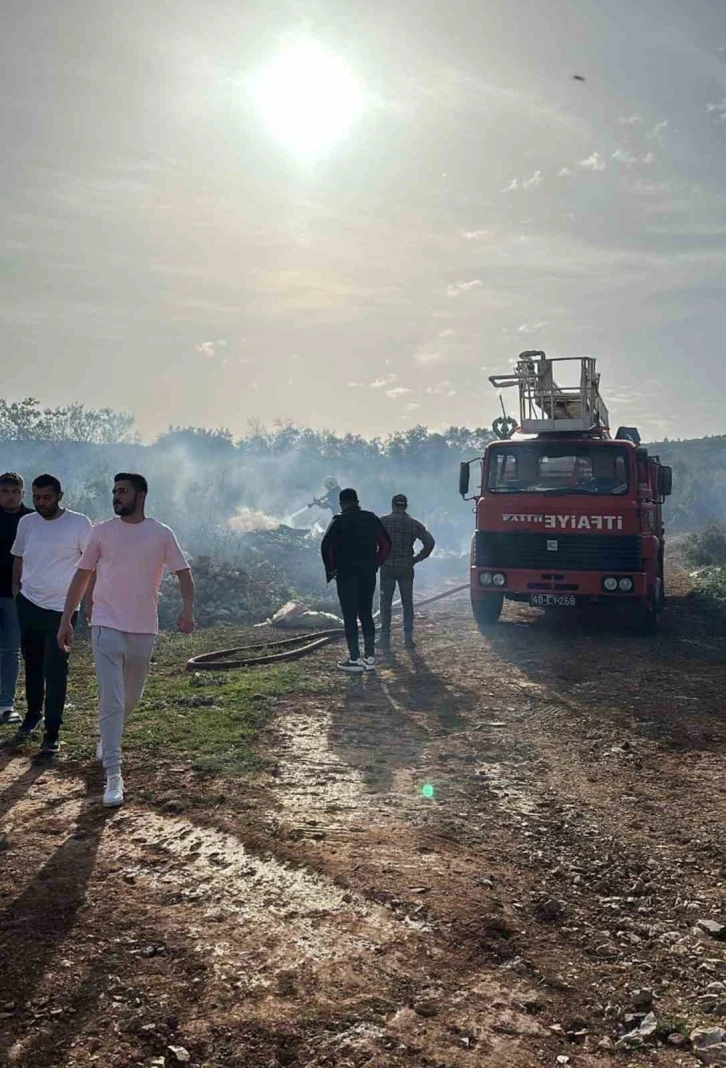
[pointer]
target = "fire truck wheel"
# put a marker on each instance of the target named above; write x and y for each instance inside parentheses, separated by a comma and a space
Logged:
(487, 610)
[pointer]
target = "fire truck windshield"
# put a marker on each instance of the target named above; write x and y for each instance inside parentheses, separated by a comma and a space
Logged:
(558, 468)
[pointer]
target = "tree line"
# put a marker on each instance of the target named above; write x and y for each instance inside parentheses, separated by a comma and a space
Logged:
(287, 462)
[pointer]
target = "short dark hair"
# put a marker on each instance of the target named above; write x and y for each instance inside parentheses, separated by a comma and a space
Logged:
(137, 481)
(348, 496)
(11, 478)
(45, 481)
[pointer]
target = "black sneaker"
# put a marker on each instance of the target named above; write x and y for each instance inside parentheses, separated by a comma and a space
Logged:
(49, 746)
(409, 643)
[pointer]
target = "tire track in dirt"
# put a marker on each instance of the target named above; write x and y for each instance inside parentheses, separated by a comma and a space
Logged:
(266, 941)
(565, 783)
(340, 918)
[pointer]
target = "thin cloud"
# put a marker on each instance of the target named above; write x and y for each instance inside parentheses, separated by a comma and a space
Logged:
(719, 110)
(623, 156)
(595, 162)
(441, 389)
(379, 383)
(411, 407)
(475, 235)
(531, 328)
(658, 131)
(526, 183)
(448, 332)
(209, 349)
(398, 391)
(629, 120)
(458, 288)
(565, 172)
(355, 385)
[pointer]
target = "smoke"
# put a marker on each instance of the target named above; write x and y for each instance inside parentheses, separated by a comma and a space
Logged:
(248, 519)
(217, 494)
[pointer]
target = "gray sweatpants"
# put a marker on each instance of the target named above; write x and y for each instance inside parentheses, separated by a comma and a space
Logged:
(122, 664)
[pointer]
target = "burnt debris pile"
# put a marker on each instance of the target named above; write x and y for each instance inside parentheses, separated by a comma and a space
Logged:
(273, 566)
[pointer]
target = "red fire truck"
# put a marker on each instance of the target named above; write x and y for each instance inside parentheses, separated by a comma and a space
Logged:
(566, 515)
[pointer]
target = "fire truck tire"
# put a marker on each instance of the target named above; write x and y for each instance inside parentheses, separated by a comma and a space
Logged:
(487, 610)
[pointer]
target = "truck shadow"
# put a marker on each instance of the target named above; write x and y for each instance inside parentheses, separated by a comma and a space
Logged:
(669, 686)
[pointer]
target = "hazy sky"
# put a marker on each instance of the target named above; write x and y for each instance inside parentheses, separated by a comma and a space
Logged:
(350, 213)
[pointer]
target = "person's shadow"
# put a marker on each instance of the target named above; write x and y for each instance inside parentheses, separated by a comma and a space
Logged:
(37, 923)
(387, 719)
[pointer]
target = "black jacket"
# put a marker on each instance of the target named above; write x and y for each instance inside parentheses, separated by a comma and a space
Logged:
(355, 541)
(8, 529)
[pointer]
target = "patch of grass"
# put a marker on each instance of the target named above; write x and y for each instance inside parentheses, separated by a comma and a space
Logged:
(668, 1025)
(210, 720)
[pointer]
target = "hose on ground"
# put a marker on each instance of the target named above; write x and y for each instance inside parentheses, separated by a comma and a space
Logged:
(287, 649)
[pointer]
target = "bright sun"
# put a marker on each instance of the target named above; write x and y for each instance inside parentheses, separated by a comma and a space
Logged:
(309, 98)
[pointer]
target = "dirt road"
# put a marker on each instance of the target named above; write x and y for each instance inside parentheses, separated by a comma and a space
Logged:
(328, 913)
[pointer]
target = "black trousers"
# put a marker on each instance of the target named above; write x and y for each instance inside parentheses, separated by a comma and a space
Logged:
(355, 593)
(46, 666)
(390, 576)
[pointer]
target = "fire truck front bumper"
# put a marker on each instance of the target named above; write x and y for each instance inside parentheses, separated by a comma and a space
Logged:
(562, 588)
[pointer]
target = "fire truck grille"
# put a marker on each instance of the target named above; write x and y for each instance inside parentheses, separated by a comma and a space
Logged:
(566, 552)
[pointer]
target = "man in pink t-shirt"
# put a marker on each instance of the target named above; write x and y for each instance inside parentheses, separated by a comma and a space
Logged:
(128, 554)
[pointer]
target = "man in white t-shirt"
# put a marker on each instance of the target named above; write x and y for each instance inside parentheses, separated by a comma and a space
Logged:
(48, 545)
(128, 554)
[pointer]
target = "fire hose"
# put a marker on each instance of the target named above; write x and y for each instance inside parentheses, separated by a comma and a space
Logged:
(288, 648)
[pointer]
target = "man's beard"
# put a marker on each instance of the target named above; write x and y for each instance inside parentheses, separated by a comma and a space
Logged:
(124, 509)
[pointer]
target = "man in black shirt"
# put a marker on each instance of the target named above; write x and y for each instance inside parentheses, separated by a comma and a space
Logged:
(354, 547)
(12, 511)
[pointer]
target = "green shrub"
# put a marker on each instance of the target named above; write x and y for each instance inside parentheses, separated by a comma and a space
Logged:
(707, 547)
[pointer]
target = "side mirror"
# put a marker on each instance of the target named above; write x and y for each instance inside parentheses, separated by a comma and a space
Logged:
(464, 470)
(665, 481)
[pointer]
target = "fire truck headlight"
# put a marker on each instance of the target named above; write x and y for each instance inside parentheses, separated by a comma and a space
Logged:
(610, 584)
(499, 579)
(485, 578)
(626, 584)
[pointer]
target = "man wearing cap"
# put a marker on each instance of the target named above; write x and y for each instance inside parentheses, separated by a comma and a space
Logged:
(404, 531)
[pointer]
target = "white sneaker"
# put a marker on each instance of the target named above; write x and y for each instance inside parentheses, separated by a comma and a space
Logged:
(369, 663)
(353, 667)
(113, 795)
(9, 715)
(99, 751)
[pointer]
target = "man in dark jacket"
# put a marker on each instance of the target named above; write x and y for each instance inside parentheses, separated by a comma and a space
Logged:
(354, 547)
(12, 511)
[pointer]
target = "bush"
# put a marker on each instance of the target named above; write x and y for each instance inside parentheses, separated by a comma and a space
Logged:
(708, 547)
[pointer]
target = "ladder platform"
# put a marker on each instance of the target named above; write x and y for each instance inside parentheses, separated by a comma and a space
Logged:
(545, 407)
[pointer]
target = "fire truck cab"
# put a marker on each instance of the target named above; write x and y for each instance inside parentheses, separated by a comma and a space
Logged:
(566, 515)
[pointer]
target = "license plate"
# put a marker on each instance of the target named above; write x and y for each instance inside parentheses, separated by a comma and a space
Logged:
(553, 600)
